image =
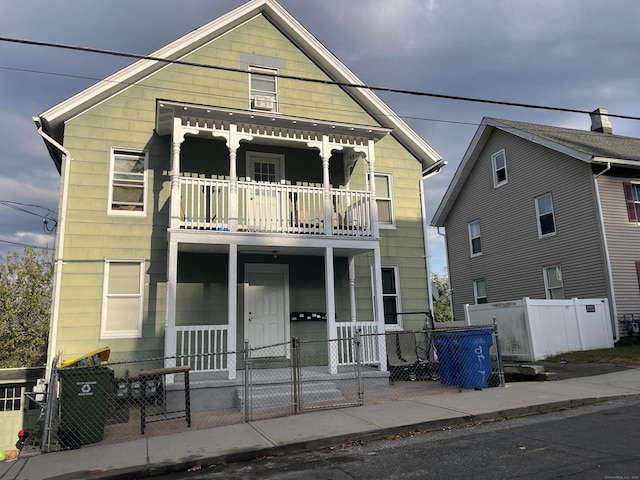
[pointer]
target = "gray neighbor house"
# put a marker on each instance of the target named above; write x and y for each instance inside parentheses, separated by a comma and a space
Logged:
(546, 212)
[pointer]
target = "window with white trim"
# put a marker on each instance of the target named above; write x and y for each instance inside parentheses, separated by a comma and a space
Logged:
(479, 291)
(391, 296)
(384, 199)
(128, 182)
(122, 302)
(553, 283)
(475, 240)
(544, 213)
(263, 88)
(499, 161)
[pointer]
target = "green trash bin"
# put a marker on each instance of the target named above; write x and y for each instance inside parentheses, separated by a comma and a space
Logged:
(85, 394)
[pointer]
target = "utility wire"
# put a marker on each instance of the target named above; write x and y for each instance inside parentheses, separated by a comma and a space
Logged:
(17, 244)
(303, 79)
(50, 216)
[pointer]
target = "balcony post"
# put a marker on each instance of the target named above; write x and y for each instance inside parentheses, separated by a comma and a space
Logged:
(371, 160)
(176, 143)
(325, 154)
(332, 329)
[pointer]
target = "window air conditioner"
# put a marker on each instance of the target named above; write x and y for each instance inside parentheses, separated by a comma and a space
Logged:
(262, 102)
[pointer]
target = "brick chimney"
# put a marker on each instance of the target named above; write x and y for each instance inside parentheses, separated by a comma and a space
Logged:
(600, 121)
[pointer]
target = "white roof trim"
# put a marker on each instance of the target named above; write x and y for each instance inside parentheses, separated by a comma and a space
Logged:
(287, 23)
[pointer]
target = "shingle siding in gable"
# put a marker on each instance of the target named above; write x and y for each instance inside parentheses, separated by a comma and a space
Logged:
(623, 241)
(513, 256)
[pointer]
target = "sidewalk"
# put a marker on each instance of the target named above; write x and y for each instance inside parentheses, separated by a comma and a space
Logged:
(178, 452)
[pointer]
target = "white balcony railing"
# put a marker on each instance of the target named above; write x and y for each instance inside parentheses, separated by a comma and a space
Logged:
(206, 204)
(202, 347)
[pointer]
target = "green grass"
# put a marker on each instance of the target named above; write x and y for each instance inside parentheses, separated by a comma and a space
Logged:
(627, 356)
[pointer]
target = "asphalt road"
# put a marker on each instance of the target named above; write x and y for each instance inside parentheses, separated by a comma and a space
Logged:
(600, 441)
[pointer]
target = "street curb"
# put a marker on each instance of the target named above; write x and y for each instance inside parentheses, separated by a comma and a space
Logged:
(181, 465)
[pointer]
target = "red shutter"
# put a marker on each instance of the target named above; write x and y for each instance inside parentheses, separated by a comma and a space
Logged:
(638, 272)
(631, 206)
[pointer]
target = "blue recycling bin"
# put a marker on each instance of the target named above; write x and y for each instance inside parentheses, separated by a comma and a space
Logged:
(473, 360)
(445, 343)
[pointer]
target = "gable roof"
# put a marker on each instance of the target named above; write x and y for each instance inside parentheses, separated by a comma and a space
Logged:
(53, 119)
(587, 146)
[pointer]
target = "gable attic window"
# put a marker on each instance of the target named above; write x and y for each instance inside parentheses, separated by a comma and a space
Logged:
(263, 88)
(499, 161)
(632, 198)
(128, 179)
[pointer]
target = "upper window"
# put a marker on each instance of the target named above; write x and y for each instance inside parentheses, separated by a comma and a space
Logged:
(122, 299)
(384, 199)
(544, 211)
(128, 192)
(499, 161)
(263, 87)
(480, 291)
(553, 283)
(390, 296)
(632, 197)
(475, 241)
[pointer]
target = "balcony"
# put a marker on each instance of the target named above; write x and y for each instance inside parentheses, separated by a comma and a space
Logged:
(305, 209)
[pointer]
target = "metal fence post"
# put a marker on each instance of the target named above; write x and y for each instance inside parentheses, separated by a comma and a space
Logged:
(357, 341)
(295, 374)
(51, 405)
(247, 363)
(498, 353)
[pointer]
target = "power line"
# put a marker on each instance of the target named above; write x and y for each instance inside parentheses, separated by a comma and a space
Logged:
(17, 244)
(304, 79)
(49, 216)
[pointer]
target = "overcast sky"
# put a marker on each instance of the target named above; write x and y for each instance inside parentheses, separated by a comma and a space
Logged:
(577, 54)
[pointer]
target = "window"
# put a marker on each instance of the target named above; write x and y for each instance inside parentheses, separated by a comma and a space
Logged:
(263, 88)
(383, 199)
(480, 291)
(10, 399)
(390, 296)
(127, 192)
(475, 241)
(499, 161)
(553, 283)
(122, 299)
(632, 197)
(544, 211)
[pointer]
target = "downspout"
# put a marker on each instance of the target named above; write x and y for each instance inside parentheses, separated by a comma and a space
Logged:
(428, 172)
(614, 310)
(53, 332)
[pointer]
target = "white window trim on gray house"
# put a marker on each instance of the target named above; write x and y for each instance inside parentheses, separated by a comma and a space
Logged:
(475, 249)
(542, 211)
(551, 289)
(499, 162)
(127, 178)
(480, 291)
(122, 300)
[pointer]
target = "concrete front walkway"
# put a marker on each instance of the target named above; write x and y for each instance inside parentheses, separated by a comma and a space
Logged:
(180, 451)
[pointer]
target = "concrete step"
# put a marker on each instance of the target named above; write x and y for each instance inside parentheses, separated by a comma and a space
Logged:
(522, 372)
(279, 395)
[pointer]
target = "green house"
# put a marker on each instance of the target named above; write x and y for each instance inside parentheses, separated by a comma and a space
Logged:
(234, 187)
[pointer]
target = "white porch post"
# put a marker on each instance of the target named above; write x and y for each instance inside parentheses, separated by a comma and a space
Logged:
(379, 307)
(332, 330)
(325, 154)
(234, 144)
(371, 160)
(177, 139)
(170, 338)
(352, 289)
(232, 321)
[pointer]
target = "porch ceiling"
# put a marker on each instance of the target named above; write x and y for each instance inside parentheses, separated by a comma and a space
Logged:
(276, 251)
(275, 124)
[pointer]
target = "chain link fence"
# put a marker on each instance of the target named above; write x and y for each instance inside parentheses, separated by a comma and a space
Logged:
(122, 400)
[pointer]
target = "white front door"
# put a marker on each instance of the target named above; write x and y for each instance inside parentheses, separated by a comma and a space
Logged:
(266, 309)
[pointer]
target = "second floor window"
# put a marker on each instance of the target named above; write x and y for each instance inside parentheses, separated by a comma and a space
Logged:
(632, 197)
(499, 161)
(127, 195)
(544, 212)
(263, 87)
(475, 241)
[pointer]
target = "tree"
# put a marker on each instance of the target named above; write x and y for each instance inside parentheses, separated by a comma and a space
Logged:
(25, 301)
(441, 305)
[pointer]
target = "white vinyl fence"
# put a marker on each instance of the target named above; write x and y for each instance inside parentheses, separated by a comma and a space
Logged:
(531, 330)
